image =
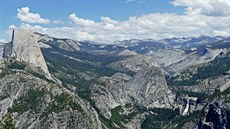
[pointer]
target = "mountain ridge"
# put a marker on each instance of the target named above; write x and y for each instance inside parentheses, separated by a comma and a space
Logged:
(141, 85)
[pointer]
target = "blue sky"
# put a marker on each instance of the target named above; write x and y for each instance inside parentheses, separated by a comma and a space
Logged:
(89, 9)
(124, 19)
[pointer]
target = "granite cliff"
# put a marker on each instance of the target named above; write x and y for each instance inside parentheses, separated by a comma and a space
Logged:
(47, 82)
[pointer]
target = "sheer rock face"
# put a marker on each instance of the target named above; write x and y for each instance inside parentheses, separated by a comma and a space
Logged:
(25, 47)
(7, 50)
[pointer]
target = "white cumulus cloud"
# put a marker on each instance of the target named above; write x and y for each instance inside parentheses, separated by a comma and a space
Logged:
(80, 21)
(155, 25)
(198, 19)
(25, 15)
(206, 7)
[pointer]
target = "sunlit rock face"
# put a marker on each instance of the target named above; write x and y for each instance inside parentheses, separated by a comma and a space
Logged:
(147, 87)
(25, 47)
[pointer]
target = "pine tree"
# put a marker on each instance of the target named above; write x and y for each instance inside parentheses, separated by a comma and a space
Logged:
(8, 122)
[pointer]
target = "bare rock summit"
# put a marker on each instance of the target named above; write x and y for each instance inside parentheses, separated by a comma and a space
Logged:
(25, 47)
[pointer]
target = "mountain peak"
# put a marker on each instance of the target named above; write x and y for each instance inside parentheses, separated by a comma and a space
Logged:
(24, 47)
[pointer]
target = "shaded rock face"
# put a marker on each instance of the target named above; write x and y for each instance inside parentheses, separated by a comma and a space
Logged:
(25, 47)
(218, 116)
(7, 50)
(1, 51)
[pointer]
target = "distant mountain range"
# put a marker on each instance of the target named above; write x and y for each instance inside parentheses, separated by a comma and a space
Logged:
(175, 83)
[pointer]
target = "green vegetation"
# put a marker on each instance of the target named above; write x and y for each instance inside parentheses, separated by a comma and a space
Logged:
(10, 65)
(75, 73)
(31, 101)
(128, 105)
(178, 121)
(36, 74)
(70, 71)
(117, 117)
(108, 123)
(159, 117)
(60, 103)
(8, 122)
(181, 120)
(13, 65)
(3, 97)
(16, 65)
(40, 74)
(166, 118)
(64, 100)
(226, 92)
(4, 72)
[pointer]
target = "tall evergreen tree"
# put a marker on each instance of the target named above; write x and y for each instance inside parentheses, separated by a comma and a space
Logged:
(8, 122)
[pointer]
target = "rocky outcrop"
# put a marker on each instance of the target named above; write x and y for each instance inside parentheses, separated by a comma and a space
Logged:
(147, 88)
(25, 47)
(35, 100)
(218, 116)
(135, 123)
(193, 59)
(166, 57)
(207, 86)
(46, 41)
(133, 89)
(127, 53)
(134, 61)
(37, 104)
